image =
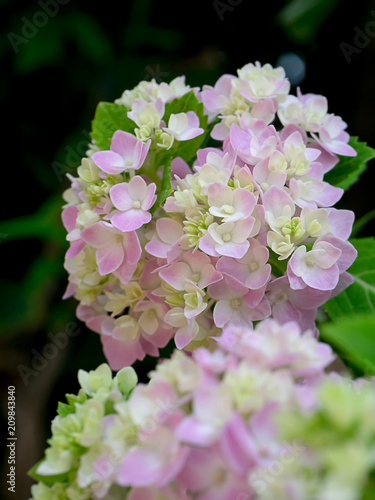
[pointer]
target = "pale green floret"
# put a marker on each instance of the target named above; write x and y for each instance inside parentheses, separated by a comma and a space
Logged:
(339, 438)
(116, 303)
(144, 132)
(196, 225)
(63, 491)
(84, 427)
(180, 371)
(294, 229)
(175, 300)
(101, 188)
(126, 379)
(41, 491)
(300, 164)
(94, 380)
(163, 139)
(251, 389)
(88, 171)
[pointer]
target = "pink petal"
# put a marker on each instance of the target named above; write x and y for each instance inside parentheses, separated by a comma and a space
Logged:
(243, 202)
(131, 219)
(176, 275)
(275, 199)
(194, 432)
(222, 312)
(69, 217)
(125, 271)
(168, 230)
(133, 248)
(340, 222)
(120, 196)
(137, 188)
(150, 197)
(109, 258)
(209, 276)
(237, 447)
(330, 196)
(75, 248)
(322, 279)
(186, 334)
(207, 244)
(109, 161)
(230, 249)
(98, 235)
(123, 143)
(257, 279)
(120, 353)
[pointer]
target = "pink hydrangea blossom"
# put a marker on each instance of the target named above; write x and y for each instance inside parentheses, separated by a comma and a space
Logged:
(117, 252)
(316, 268)
(127, 152)
(236, 304)
(133, 200)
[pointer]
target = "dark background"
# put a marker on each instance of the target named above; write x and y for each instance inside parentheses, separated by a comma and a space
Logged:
(52, 78)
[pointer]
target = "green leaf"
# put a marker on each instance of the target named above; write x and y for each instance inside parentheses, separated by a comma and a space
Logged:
(361, 223)
(360, 296)
(188, 102)
(354, 336)
(166, 187)
(347, 171)
(278, 266)
(48, 480)
(109, 117)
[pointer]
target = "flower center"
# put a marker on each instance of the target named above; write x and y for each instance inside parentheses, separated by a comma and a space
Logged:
(310, 261)
(226, 237)
(236, 303)
(136, 204)
(253, 266)
(228, 209)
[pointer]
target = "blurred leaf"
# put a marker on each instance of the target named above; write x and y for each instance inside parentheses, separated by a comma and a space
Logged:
(301, 19)
(24, 305)
(362, 223)
(44, 48)
(369, 490)
(166, 187)
(109, 117)
(360, 296)
(187, 149)
(347, 171)
(158, 38)
(355, 337)
(89, 37)
(45, 224)
(278, 266)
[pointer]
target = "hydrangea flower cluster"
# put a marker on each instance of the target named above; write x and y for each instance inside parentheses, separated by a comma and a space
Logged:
(172, 236)
(246, 421)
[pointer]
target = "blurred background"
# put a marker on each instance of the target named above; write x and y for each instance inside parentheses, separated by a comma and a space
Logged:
(58, 60)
